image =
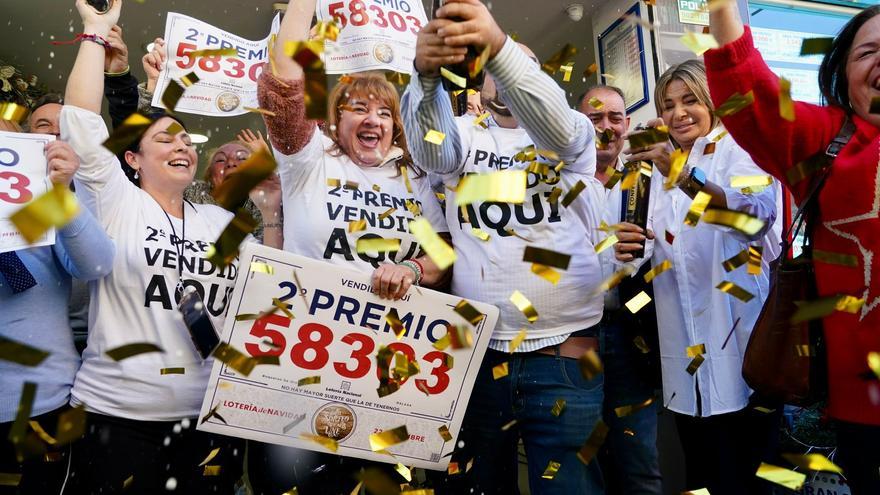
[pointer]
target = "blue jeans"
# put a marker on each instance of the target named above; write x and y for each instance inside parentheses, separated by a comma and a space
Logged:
(632, 464)
(527, 395)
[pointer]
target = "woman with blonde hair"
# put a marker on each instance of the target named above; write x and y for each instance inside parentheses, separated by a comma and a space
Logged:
(724, 439)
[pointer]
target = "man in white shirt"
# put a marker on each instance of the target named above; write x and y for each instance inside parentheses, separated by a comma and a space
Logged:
(628, 341)
(527, 109)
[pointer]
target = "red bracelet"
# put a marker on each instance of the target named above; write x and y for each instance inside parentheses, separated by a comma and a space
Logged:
(94, 38)
(421, 267)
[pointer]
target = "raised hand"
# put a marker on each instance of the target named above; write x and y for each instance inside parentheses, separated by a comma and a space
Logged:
(255, 142)
(154, 63)
(474, 26)
(432, 52)
(116, 60)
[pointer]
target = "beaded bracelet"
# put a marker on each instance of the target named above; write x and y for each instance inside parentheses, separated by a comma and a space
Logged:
(94, 38)
(416, 269)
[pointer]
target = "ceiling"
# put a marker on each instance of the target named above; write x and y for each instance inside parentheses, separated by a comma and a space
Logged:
(32, 24)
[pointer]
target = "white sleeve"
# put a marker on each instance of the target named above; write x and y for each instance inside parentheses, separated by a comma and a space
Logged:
(100, 183)
(292, 168)
(430, 204)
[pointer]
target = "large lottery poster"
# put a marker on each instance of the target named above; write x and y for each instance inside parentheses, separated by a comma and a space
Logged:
(228, 83)
(23, 178)
(374, 34)
(326, 385)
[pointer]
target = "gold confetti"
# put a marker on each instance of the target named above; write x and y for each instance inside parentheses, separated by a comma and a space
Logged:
(816, 46)
(678, 158)
(786, 106)
(210, 457)
(701, 491)
(820, 308)
(475, 66)
(547, 273)
(552, 469)
(326, 30)
(508, 425)
(131, 130)
(813, 462)
(598, 105)
(233, 358)
(19, 353)
(25, 406)
(657, 270)
(388, 438)
(739, 181)
(480, 234)
(394, 322)
(591, 69)
(308, 55)
(460, 336)
(627, 410)
(217, 52)
(506, 186)
(573, 193)
(546, 257)
(781, 476)
(629, 180)
(213, 414)
(260, 267)
(566, 72)
(225, 248)
(130, 350)
(468, 312)
(736, 261)
(638, 302)
(606, 243)
(738, 220)
(735, 291)
(564, 55)
(499, 371)
(357, 225)
(56, 208)
(211, 471)
(259, 110)
(479, 121)
(233, 192)
(696, 350)
(71, 425)
(13, 112)
(397, 78)
(603, 141)
(591, 447)
(520, 337)
(835, 258)
(174, 91)
(420, 491)
(309, 380)
(699, 43)
(437, 249)
(403, 471)
(377, 244)
(613, 280)
(641, 345)
(172, 371)
(435, 137)
(327, 443)
(590, 364)
(756, 253)
(648, 137)
(735, 103)
(695, 364)
(874, 362)
(523, 304)
(444, 433)
(459, 81)
(697, 208)
(558, 407)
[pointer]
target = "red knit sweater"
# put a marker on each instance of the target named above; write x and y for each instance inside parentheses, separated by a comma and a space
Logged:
(849, 204)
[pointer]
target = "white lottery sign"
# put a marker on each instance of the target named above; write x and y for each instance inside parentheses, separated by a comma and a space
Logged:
(226, 84)
(337, 330)
(374, 34)
(23, 178)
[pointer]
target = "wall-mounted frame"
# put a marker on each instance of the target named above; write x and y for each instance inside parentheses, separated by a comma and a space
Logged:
(622, 59)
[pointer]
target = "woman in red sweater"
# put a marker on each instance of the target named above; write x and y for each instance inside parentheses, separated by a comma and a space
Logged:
(848, 221)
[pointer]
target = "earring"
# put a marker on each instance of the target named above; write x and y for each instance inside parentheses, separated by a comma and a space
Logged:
(137, 174)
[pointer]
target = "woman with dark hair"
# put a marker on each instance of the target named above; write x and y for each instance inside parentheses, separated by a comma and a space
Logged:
(142, 407)
(848, 226)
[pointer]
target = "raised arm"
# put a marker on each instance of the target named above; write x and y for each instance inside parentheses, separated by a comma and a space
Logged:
(85, 86)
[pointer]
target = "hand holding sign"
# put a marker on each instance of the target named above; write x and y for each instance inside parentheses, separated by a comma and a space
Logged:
(63, 162)
(154, 63)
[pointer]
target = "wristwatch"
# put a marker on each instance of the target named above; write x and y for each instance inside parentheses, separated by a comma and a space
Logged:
(694, 182)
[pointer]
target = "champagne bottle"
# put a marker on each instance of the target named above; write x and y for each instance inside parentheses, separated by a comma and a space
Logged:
(463, 68)
(637, 199)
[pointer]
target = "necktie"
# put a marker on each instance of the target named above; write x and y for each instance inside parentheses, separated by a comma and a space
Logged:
(16, 274)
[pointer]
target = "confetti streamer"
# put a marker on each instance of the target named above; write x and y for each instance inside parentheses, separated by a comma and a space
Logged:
(835, 258)
(816, 46)
(459, 81)
(736, 261)
(573, 193)
(558, 407)
(506, 186)
(638, 302)
(697, 208)
(734, 104)
(327, 443)
(210, 457)
(648, 136)
(435, 137)
(309, 380)
(696, 350)
(172, 371)
(590, 364)
(813, 462)
(174, 91)
(606, 243)
(701, 491)
(19, 353)
(225, 248)
(678, 158)
(480, 234)
(594, 443)
(623, 411)
(479, 121)
(786, 106)
(552, 469)
(388, 438)
(13, 112)
(756, 253)
(523, 304)
(440, 252)
(233, 192)
(699, 43)
(233, 358)
(738, 220)
(735, 291)
(546, 257)
(657, 270)
(547, 273)
(499, 371)
(377, 244)
(565, 54)
(820, 308)
(56, 208)
(131, 350)
(260, 267)
(695, 364)
(739, 181)
(520, 337)
(217, 52)
(781, 476)
(468, 312)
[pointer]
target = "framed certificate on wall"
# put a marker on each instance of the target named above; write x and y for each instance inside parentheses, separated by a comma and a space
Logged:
(622, 59)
